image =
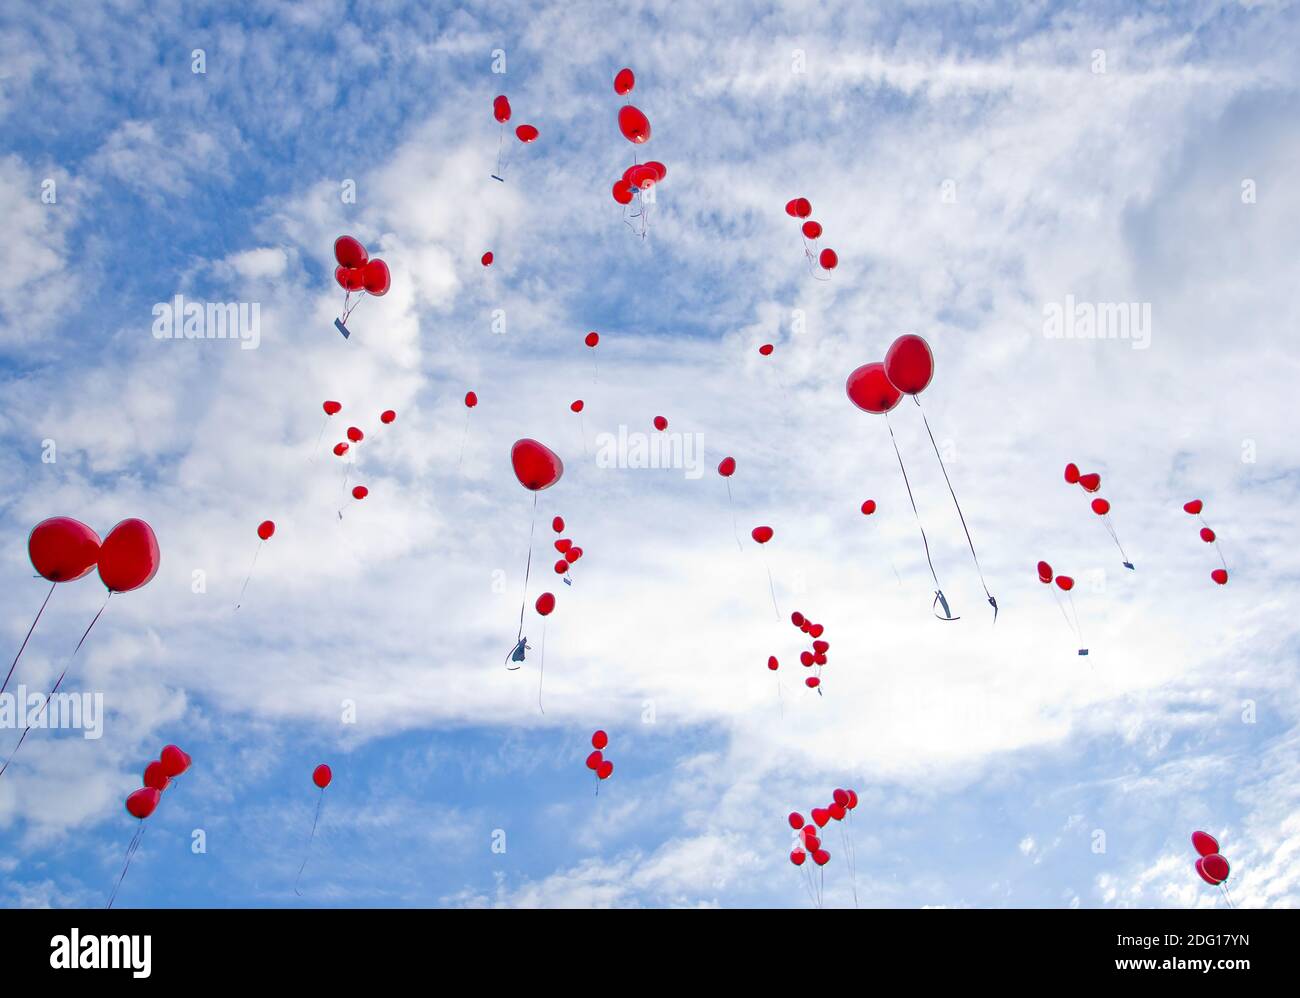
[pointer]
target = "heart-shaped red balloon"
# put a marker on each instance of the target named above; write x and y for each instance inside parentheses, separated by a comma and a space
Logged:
(796, 820)
(821, 648)
(761, 534)
(1065, 582)
(1044, 572)
(349, 252)
(727, 467)
(545, 603)
(806, 659)
(1100, 506)
(129, 557)
(816, 630)
(1207, 535)
(868, 507)
(563, 545)
(1204, 843)
(536, 466)
(837, 811)
(606, 768)
(1194, 507)
(1091, 482)
(63, 549)
(821, 857)
(820, 816)
(331, 407)
(797, 857)
(594, 760)
(599, 739)
(871, 390)
(773, 663)
(141, 804)
(1215, 868)
(1072, 473)
(909, 364)
(265, 529)
(174, 761)
(1220, 575)
(634, 125)
(155, 777)
(574, 554)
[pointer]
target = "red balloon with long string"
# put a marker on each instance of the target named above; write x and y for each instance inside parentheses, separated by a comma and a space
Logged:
(322, 776)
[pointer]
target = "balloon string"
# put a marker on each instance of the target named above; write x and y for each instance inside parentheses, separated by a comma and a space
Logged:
(1110, 529)
(848, 856)
(319, 437)
(130, 855)
(463, 436)
(256, 551)
(938, 596)
(312, 838)
(528, 567)
(771, 587)
(1226, 896)
(26, 639)
(735, 531)
(59, 682)
(501, 138)
(1078, 626)
(541, 669)
(969, 543)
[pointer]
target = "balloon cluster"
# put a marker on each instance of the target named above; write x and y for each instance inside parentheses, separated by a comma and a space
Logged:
(1194, 507)
(808, 839)
(357, 274)
(799, 209)
(1090, 483)
(639, 178)
(569, 552)
(813, 657)
(355, 435)
(171, 763)
(1211, 866)
(596, 761)
(1065, 584)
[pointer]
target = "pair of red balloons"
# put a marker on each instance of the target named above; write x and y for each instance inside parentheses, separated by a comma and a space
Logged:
(1211, 866)
(63, 550)
(356, 271)
(907, 370)
(171, 762)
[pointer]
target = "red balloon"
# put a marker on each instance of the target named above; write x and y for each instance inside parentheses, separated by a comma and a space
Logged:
(155, 777)
(816, 630)
(1214, 868)
(797, 619)
(375, 278)
(174, 761)
(821, 857)
(909, 364)
(1065, 582)
(486, 259)
(563, 545)
(331, 407)
(471, 400)
(838, 811)
(352, 279)
(501, 109)
(591, 339)
(129, 557)
(806, 659)
(349, 252)
(841, 797)
(359, 492)
(265, 529)
(798, 207)
(605, 770)
(322, 775)
(812, 230)
(1072, 473)
(355, 434)
(141, 804)
(574, 554)
(820, 816)
(797, 857)
(853, 800)
(1194, 507)
(868, 507)
(387, 416)
(727, 467)
(820, 658)
(1207, 535)
(594, 760)
(821, 647)
(1100, 506)
(634, 125)
(661, 423)
(545, 604)
(561, 567)
(642, 177)
(576, 405)
(599, 739)
(870, 390)
(1204, 843)
(63, 549)
(1044, 572)
(761, 534)
(558, 524)
(766, 349)
(622, 192)
(772, 663)
(536, 466)
(1220, 575)
(624, 81)
(343, 277)
(340, 449)
(1090, 482)
(526, 133)
(828, 259)
(660, 170)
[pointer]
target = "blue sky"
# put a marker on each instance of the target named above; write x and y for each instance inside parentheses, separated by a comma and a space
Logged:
(987, 758)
